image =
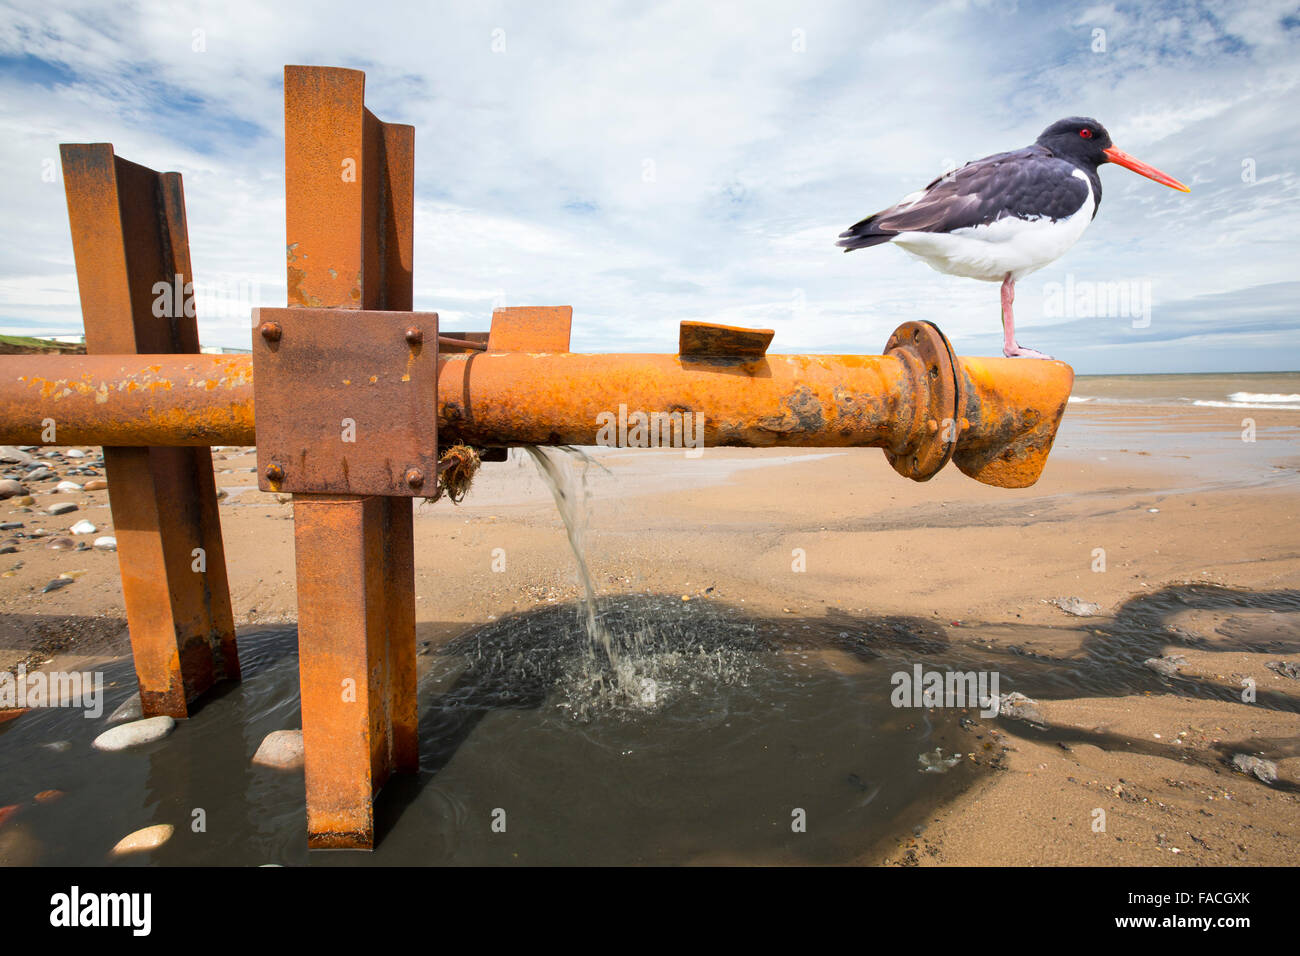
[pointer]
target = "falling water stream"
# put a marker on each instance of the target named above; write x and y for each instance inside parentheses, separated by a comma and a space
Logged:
(568, 487)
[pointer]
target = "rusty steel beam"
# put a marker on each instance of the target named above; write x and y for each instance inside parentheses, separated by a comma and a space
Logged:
(349, 224)
(358, 685)
(132, 255)
(1013, 406)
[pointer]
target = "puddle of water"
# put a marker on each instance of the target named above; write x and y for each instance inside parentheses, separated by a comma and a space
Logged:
(741, 733)
(1203, 451)
(751, 719)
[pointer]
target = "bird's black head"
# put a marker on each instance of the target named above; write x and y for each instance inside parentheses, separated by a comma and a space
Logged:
(1079, 139)
(1086, 143)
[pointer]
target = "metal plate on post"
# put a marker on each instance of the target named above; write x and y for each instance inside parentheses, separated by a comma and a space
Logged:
(346, 401)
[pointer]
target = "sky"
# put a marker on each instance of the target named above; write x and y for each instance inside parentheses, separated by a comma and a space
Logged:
(649, 163)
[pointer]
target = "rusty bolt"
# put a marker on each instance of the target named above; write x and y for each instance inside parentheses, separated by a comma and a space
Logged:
(415, 477)
(271, 331)
(274, 473)
(414, 337)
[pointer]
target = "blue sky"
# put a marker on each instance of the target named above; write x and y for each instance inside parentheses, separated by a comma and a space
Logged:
(648, 163)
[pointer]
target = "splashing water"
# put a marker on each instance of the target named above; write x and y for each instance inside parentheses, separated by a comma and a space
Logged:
(632, 662)
(666, 657)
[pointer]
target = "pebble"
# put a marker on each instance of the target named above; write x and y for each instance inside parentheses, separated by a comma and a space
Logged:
(1167, 666)
(1265, 770)
(56, 584)
(13, 456)
(83, 527)
(60, 544)
(1076, 606)
(70, 487)
(24, 501)
(135, 733)
(75, 453)
(1285, 668)
(9, 546)
(48, 796)
(95, 484)
(129, 709)
(9, 488)
(62, 508)
(281, 749)
(141, 841)
(10, 525)
(1019, 707)
(106, 543)
(936, 762)
(9, 812)
(39, 473)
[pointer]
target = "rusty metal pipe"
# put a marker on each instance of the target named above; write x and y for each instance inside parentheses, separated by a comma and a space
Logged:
(559, 399)
(1013, 406)
(158, 400)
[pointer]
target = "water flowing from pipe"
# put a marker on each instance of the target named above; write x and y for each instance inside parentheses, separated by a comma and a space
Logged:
(568, 487)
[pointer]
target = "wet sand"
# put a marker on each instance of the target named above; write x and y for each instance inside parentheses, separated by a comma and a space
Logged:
(1174, 497)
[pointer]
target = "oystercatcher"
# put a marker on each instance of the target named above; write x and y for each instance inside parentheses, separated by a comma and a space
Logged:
(1004, 216)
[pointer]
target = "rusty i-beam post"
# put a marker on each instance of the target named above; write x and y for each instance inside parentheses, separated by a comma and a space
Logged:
(349, 185)
(133, 270)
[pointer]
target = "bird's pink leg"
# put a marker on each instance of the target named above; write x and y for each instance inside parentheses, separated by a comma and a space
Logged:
(1009, 347)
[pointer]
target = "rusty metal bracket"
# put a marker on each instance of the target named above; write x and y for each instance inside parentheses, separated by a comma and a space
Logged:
(939, 396)
(539, 328)
(347, 401)
(705, 340)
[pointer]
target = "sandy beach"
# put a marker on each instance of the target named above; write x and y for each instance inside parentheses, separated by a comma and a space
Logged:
(1195, 529)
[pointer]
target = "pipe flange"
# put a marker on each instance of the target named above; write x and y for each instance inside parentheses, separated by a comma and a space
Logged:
(938, 400)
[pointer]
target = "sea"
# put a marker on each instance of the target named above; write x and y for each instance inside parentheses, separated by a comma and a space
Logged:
(1245, 390)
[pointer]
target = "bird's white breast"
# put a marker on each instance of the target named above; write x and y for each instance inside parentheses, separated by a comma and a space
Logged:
(1008, 246)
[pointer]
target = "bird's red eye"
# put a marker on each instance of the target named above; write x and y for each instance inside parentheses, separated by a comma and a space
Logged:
(1085, 133)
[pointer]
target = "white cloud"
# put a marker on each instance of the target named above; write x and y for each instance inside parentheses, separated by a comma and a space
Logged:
(530, 162)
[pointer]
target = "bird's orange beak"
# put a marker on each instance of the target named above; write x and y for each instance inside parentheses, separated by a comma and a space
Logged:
(1116, 155)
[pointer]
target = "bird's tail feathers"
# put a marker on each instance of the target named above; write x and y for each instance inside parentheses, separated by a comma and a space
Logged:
(863, 235)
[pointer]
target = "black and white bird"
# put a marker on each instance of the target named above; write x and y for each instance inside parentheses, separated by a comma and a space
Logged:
(1004, 216)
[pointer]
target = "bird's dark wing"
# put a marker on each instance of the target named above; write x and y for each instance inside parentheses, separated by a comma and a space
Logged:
(1026, 183)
